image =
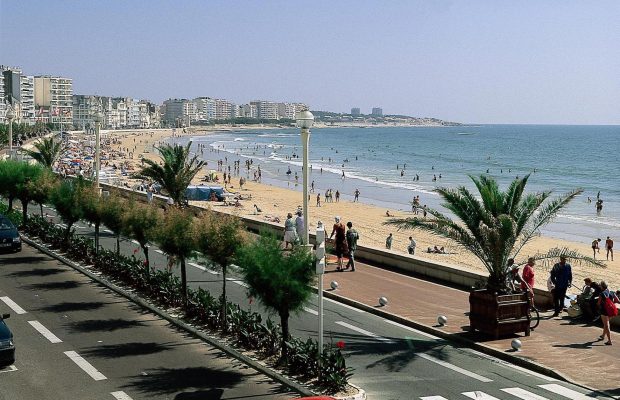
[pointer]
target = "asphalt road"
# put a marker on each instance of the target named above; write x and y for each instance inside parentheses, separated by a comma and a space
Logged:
(390, 361)
(78, 340)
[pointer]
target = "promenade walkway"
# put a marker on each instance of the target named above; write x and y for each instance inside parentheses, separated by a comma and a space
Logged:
(570, 348)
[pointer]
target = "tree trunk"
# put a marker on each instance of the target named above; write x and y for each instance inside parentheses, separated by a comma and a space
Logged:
(183, 282)
(41, 207)
(224, 308)
(24, 212)
(10, 204)
(67, 232)
(284, 315)
(118, 244)
(97, 238)
(147, 264)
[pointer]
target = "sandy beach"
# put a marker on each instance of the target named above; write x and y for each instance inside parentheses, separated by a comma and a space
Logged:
(367, 219)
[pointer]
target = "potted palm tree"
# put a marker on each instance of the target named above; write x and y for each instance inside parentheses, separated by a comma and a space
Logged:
(494, 226)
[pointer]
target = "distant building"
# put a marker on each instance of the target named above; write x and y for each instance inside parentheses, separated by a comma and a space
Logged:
(53, 98)
(175, 111)
(205, 108)
(249, 111)
(377, 112)
(355, 112)
(17, 90)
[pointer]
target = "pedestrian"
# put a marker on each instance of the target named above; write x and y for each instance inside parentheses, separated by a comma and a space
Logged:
(337, 196)
(352, 238)
(318, 200)
(357, 195)
(388, 241)
(527, 279)
(341, 242)
(595, 247)
(609, 246)
(411, 247)
(608, 309)
(300, 227)
(561, 277)
(149, 194)
(290, 234)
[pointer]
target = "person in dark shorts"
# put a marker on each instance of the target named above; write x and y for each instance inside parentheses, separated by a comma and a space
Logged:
(609, 246)
(341, 242)
(605, 294)
(352, 238)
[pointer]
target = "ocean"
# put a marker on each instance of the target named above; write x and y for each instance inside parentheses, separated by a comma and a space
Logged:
(382, 163)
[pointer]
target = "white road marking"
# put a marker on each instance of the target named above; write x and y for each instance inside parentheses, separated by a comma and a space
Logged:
(81, 227)
(512, 366)
(134, 242)
(107, 231)
(45, 332)
(455, 368)
(344, 305)
(364, 332)
(523, 394)
(433, 398)
(200, 267)
(566, 392)
(63, 226)
(85, 365)
(159, 251)
(479, 395)
(13, 305)
(311, 311)
(237, 281)
(428, 335)
(10, 368)
(120, 395)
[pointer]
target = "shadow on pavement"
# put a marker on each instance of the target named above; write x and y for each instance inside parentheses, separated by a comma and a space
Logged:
(127, 349)
(108, 325)
(66, 306)
(37, 272)
(214, 394)
(163, 381)
(53, 285)
(22, 260)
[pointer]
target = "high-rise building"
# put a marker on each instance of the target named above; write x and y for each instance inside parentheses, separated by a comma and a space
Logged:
(249, 111)
(84, 109)
(205, 108)
(17, 90)
(355, 112)
(377, 112)
(174, 111)
(224, 109)
(53, 98)
(266, 109)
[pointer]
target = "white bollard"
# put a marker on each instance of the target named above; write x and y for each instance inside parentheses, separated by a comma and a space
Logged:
(442, 320)
(383, 301)
(516, 344)
(334, 285)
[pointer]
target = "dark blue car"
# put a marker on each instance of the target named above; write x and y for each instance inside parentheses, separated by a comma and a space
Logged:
(9, 236)
(7, 348)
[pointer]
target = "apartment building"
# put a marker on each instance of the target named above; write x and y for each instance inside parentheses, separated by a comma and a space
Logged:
(224, 109)
(377, 112)
(266, 109)
(248, 111)
(53, 98)
(17, 90)
(84, 109)
(205, 108)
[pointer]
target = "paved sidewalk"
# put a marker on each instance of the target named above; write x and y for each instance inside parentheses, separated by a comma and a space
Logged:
(570, 348)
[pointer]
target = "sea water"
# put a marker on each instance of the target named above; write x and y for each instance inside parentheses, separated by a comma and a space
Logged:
(383, 162)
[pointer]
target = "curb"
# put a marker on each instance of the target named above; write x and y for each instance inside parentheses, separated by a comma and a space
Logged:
(177, 322)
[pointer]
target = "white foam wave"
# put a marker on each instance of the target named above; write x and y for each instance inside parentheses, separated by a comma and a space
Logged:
(238, 139)
(594, 220)
(278, 135)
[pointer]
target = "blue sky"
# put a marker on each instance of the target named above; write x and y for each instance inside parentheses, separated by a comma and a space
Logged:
(470, 61)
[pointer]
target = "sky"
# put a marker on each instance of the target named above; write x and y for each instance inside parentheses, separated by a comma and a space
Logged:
(495, 61)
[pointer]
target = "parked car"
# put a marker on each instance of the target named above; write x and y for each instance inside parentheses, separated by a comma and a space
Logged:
(9, 236)
(7, 347)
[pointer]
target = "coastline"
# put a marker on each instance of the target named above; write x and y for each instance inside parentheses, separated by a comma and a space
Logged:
(367, 219)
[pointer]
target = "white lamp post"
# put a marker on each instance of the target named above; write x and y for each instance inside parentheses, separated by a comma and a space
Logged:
(97, 118)
(305, 119)
(10, 114)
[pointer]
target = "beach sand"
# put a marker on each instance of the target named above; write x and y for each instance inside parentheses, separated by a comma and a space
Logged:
(367, 219)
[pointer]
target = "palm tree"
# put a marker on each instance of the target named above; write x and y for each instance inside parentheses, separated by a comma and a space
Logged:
(176, 172)
(219, 237)
(48, 151)
(280, 281)
(496, 227)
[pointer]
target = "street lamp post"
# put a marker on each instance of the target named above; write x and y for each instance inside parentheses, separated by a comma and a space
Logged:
(10, 114)
(305, 119)
(98, 118)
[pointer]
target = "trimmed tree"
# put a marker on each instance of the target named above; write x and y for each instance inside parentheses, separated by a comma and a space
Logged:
(10, 175)
(494, 225)
(112, 214)
(281, 281)
(219, 237)
(29, 174)
(66, 199)
(141, 223)
(175, 172)
(42, 188)
(175, 237)
(47, 151)
(93, 209)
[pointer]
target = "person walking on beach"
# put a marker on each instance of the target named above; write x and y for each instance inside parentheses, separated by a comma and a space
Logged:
(337, 196)
(300, 227)
(318, 200)
(357, 195)
(290, 234)
(411, 247)
(340, 241)
(352, 238)
(607, 303)
(388, 241)
(561, 277)
(312, 187)
(609, 246)
(595, 247)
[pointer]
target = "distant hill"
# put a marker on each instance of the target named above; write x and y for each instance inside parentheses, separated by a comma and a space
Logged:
(333, 117)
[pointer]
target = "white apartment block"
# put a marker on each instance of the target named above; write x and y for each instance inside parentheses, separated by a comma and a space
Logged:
(205, 108)
(266, 109)
(2, 101)
(223, 109)
(53, 97)
(249, 111)
(28, 112)
(17, 90)
(287, 110)
(84, 109)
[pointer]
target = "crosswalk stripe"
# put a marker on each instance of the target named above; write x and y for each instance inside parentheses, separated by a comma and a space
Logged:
(433, 398)
(364, 332)
(455, 368)
(479, 395)
(13, 305)
(311, 311)
(523, 394)
(120, 395)
(566, 392)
